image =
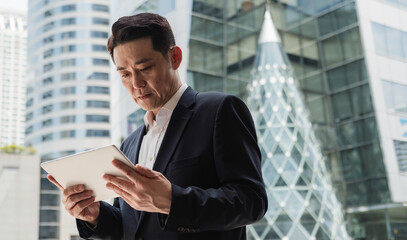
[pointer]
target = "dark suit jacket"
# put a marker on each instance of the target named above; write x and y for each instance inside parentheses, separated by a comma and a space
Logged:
(210, 155)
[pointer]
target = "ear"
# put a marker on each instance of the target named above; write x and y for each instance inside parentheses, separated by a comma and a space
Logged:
(175, 57)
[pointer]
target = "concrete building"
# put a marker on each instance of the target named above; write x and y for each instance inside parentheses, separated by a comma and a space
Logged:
(68, 101)
(19, 196)
(13, 50)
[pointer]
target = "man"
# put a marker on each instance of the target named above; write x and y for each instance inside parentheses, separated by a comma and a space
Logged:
(197, 172)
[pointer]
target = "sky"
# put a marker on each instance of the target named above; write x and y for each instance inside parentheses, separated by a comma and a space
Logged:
(13, 5)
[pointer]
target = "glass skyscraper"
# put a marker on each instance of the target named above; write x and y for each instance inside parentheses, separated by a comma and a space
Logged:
(68, 96)
(349, 57)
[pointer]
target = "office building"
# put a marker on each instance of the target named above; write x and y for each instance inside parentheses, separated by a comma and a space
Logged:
(349, 58)
(13, 36)
(19, 196)
(68, 101)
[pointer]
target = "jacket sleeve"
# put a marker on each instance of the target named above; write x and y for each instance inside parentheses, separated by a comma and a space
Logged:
(241, 198)
(109, 223)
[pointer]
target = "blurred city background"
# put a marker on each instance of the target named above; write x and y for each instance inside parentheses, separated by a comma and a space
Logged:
(60, 94)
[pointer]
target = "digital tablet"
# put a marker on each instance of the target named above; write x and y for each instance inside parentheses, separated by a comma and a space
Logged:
(88, 168)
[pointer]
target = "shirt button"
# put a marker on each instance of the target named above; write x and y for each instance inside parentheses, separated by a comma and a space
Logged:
(150, 158)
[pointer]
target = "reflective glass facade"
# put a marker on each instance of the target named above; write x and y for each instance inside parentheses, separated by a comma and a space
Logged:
(68, 96)
(323, 42)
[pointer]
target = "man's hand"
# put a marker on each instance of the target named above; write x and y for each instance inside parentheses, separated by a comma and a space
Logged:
(143, 189)
(79, 202)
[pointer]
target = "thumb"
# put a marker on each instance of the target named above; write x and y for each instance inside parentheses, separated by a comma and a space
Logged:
(146, 172)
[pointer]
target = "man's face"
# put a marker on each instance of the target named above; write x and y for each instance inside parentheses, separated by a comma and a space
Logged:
(150, 79)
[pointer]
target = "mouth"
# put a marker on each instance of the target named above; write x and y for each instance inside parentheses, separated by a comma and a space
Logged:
(144, 96)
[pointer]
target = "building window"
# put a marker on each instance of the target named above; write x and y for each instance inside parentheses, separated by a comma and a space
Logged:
(47, 232)
(68, 119)
(97, 90)
(48, 13)
(47, 67)
(47, 137)
(68, 104)
(68, 8)
(99, 34)
(337, 19)
(29, 102)
(68, 90)
(100, 62)
(401, 153)
(49, 39)
(45, 183)
(47, 95)
(97, 118)
(68, 134)
(396, 97)
(68, 21)
(99, 48)
(47, 123)
(100, 8)
(97, 104)
(389, 41)
(47, 109)
(101, 21)
(47, 81)
(99, 76)
(68, 62)
(29, 116)
(97, 133)
(48, 26)
(346, 75)
(68, 35)
(29, 130)
(342, 47)
(48, 199)
(68, 76)
(48, 53)
(68, 48)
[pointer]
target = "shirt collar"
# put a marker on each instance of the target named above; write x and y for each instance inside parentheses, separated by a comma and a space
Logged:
(165, 112)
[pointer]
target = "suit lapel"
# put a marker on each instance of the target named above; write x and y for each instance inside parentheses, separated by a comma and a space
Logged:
(176, 126)
(179, 119)
(139, 138)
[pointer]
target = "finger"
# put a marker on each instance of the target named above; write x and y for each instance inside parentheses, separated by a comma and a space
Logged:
(129, 172)
(72, 190)
(76, 198)
(52, 179)
(118, 182)
(80, 206)
(146, 172)
(119, 191)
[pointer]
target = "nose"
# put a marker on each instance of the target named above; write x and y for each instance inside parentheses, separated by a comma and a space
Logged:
(138, 81)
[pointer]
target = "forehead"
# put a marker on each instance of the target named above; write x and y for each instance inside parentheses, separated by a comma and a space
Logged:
(139, 48)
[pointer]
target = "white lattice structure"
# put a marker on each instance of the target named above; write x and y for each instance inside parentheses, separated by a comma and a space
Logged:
(302, 203)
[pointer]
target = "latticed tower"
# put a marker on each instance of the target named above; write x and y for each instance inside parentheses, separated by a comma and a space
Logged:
(302, 203)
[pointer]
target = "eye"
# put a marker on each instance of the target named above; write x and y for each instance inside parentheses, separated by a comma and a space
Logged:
(145, 69)
(124, 75)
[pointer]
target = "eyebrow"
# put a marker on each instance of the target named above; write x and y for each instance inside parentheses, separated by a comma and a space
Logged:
(143, 60)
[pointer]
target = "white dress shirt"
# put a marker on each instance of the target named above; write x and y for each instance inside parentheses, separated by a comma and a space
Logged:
(156, 129)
